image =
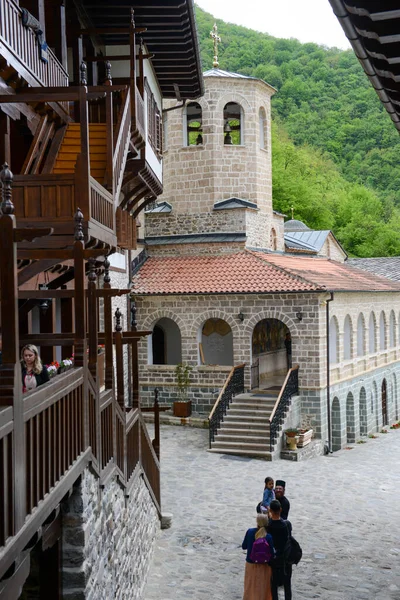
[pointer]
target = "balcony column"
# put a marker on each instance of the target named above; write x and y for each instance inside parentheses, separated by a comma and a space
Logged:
(5, 152)
(42, 16)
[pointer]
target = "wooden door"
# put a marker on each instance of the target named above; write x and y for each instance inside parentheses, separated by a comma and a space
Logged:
(384, 403)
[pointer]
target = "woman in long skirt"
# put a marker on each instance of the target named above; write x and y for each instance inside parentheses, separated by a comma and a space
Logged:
(257, 576)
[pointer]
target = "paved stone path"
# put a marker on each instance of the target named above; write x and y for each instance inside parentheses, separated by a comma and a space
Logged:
(345, 512)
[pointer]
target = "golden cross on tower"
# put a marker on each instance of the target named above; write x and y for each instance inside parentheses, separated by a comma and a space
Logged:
(217, 40)
(292, 209)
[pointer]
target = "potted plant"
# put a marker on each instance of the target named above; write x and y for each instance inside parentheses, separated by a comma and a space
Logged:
(183, 406)
(291, 434)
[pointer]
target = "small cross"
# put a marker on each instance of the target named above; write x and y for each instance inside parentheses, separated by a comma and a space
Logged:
(292, 209)
(217, 40)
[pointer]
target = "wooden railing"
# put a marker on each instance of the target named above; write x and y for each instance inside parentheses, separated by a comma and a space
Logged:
(132, 443)
(54, 434)
(233, 385)
(21, 48)
(140, 115)
(150, 463)
(101, 205)
(6, 475)
(289, 388)
(121, 145)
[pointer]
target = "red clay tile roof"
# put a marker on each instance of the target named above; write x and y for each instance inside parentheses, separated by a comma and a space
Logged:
(240, 272)
(252, 272)
(334, 276)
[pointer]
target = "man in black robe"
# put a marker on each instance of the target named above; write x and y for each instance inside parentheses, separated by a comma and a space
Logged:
(280, 486)
(281, 568)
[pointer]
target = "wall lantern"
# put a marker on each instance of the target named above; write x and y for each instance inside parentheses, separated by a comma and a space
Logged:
(299, 316)
(241, 317)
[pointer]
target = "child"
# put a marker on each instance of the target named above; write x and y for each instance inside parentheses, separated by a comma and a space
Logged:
(268, 494)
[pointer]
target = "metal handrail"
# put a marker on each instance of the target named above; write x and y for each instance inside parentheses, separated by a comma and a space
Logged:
(233, 385)
(289, 388)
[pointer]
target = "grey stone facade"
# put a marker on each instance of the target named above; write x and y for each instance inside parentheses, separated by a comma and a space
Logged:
(107, 540)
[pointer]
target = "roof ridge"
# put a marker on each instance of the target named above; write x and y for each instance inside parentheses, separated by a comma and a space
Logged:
(286, 272)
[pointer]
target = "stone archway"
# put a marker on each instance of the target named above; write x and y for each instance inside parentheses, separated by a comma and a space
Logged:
(165, 346)
(271, 351)
(350, 419)
(384, 403)
(336, 426)
(363, 412)
(216, 343)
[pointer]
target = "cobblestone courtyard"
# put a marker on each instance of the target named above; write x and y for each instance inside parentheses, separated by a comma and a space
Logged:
(345, 512)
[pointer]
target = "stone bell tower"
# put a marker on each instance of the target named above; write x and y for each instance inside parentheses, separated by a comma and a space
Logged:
(217, 163)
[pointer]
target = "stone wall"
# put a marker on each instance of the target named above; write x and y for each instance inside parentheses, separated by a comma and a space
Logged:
(107, 540)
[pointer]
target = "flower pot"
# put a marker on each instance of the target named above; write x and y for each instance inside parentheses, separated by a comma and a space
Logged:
(183, 408)
(291, 441)
(304, 438)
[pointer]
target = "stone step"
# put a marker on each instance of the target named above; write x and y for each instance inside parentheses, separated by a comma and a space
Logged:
(266, 405)
(249, 412)
(242, 430)
(263, 447)
(250, 396)
(244, 453)
(243, 425)
(248, 419)
(237, 440)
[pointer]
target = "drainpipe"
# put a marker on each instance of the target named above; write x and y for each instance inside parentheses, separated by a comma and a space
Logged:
(328, 377)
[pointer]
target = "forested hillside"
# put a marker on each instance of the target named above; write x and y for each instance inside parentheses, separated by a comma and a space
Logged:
(335, 149)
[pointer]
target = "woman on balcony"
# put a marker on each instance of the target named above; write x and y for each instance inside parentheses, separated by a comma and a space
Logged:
(34, 373)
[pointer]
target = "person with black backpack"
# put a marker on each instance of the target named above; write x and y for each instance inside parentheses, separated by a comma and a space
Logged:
(260, 552)
(281, 532)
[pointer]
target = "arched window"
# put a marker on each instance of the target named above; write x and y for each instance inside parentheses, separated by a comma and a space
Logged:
(333, 341)
(382, 331)
(392, 330)
(372, 334)
(360, 335)
(216, 343)
(233, 133)
(263, 128)
(165, 343)
(347, 338)
(194, 124)
(273, 240)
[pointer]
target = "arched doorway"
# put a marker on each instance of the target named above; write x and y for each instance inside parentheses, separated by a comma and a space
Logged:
(336, 426)
(271, 350)
(350, 419)
(216, 343)
(384, 403)
(363, 412)
(166, 348)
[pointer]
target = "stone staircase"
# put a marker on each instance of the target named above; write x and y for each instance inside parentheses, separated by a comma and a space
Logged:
(245, 428)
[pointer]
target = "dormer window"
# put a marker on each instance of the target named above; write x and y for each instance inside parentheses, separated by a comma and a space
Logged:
(232, 124)
(194, 124)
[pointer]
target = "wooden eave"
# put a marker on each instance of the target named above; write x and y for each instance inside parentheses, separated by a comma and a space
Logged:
(373, 29)
(170, 33)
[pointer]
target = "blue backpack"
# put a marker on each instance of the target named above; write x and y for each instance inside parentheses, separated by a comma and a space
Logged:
(261, 551)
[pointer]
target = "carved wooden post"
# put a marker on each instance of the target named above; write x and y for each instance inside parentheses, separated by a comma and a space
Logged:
(135, 361)
(80, 301)
(132, 76)
(119, 357)
(110, 132)
(82, 170)
(10, 371)
(92, 317)
(108, 329)
(156, 440)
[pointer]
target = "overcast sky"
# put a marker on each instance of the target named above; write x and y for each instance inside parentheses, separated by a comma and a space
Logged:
(306, 20)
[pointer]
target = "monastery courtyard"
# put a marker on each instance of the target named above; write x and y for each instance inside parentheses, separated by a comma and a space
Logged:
(345, 513)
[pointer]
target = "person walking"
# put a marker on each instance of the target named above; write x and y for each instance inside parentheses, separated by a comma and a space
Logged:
(280, 490)
(257, 575)
(280, 531)
(33, 372)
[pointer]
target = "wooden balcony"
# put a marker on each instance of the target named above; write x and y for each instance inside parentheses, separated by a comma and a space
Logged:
(51, 200)
(19, 48)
